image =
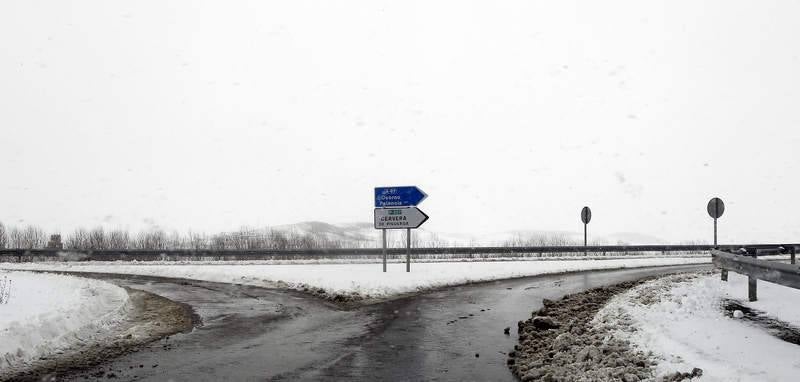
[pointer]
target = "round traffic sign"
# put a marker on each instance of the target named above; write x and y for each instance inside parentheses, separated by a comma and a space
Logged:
(586, 215)
(715, 207)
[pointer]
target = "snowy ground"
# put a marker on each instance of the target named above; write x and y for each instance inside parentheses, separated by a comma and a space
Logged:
(48, 312)
(68, 256)
(681, 321)
(364, 279)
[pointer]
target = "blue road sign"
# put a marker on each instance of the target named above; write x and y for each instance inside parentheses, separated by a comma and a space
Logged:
(403, 196)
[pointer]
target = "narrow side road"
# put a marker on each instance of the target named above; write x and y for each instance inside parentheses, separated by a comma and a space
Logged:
(457, 334)
(251, 333)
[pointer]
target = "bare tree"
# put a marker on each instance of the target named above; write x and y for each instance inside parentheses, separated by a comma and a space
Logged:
(197, 241)
(175, 241)
(97, 239)
(28, 238)
(118, 239)
(3, 236)
(15, 237)
(278, 240)
(78, 239)
(217, 242)
(151, 240)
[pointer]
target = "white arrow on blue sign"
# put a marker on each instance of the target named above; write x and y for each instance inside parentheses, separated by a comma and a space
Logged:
(403, 196)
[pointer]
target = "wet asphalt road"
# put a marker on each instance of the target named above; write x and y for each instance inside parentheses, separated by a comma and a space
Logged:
(251, 333)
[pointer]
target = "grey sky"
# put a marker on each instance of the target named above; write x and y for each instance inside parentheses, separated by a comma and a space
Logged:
(511, 115)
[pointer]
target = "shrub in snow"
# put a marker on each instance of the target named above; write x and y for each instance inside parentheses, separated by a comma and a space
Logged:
(5, 290)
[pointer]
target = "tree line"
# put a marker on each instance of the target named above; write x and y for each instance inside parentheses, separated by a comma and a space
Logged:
(34, 237)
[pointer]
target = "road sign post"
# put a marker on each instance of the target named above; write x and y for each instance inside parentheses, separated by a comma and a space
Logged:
(408, 249)
(586, 217)
(384, 249)
(395, 208)
(715, 209)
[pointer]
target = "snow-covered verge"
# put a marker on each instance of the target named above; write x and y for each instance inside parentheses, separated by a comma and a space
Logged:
(47, 313)
(680, 322)
(443, 258)
(362, 280)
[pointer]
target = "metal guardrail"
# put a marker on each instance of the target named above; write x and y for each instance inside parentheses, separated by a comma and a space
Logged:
(745, 264)
(21, 255)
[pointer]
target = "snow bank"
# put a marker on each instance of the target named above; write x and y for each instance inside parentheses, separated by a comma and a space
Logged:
(680, 320)
(399, 259)
(47, 313)
(365, 279)
(775, 300)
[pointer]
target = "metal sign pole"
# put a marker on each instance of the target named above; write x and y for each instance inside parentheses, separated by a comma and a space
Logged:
(586, 217)
(715, 234)
(724, 272)
(384, 250)
(715, 208)
(408, 249)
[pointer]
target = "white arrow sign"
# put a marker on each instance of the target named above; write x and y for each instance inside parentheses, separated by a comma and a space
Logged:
(399, 218)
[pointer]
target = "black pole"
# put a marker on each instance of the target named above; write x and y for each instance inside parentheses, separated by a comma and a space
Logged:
(724, 273)
(585, 242)
(408, 249)
(384, 250)
(715, 234)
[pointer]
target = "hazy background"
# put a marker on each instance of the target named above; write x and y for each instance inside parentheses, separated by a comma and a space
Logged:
(510, 115)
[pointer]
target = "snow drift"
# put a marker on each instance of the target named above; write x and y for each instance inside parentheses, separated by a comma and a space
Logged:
(46, 313)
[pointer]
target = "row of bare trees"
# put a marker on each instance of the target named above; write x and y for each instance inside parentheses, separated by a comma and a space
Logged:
(31, 237)
(543, 239)
(22, 237)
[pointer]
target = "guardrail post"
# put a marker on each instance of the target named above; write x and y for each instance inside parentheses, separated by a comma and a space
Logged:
(752, 288)
(724, 276)
(792, 252)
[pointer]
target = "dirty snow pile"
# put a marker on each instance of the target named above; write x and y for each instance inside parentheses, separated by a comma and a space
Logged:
(349, 279)
(46, 313)
(680, 320)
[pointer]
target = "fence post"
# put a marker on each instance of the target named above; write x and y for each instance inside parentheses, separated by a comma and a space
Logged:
(752, 288)
(724, 275)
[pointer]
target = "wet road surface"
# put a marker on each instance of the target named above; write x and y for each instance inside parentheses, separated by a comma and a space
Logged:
(251, 333)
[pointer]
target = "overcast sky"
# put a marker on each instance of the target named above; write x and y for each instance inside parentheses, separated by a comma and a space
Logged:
(210, 115)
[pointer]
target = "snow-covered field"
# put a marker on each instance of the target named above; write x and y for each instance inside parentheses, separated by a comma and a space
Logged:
(683, 325)
(365, 279)
(47, 312)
